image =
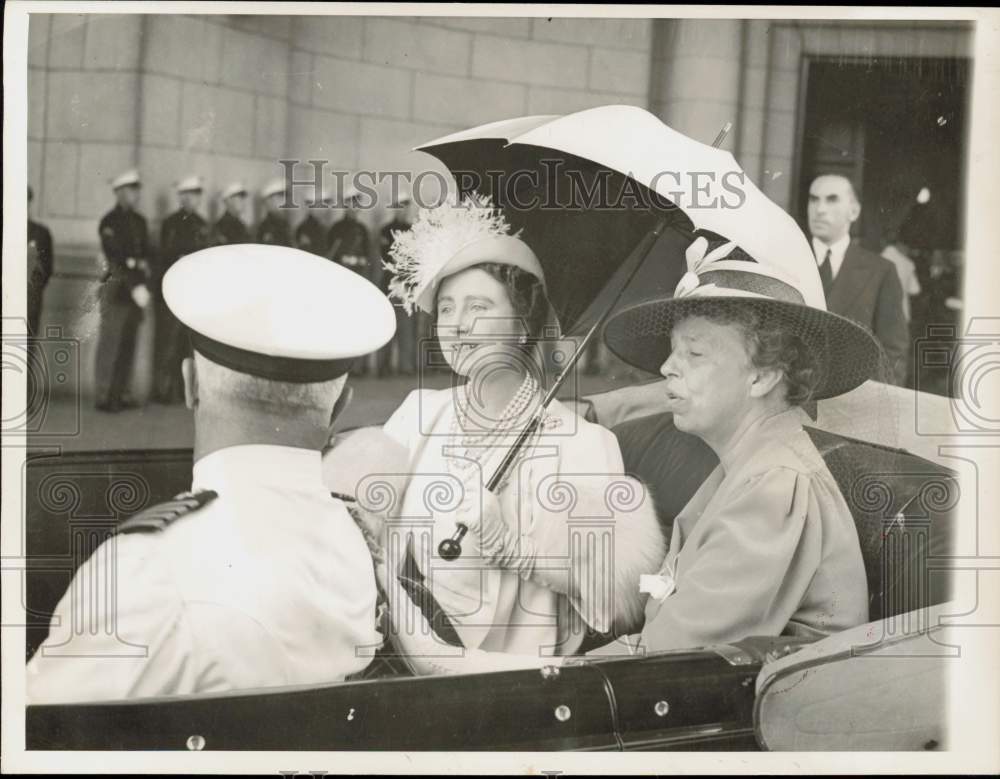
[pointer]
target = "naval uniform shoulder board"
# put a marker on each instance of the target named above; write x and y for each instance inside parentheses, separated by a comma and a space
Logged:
(159, 517)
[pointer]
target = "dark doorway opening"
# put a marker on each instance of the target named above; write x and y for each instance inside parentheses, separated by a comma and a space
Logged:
(893, 126)
(897, 127)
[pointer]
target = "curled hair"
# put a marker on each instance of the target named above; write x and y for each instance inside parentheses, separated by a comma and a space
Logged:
(770, 346)
(526, 293)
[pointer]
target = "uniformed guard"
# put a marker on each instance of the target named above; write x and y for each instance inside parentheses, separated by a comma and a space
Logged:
(274, 228)
(124, 293)
(230, 228)
(348, 238)
(310, 235)
(258, 576)
(406, 336)
(39, 267)
(184, 232)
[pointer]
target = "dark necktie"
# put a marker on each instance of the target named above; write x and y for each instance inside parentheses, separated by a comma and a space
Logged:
(826, 273)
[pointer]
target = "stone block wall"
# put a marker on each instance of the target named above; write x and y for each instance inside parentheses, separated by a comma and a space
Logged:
(227, 96)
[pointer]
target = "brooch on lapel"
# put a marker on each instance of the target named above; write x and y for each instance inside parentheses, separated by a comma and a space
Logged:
(551, 422)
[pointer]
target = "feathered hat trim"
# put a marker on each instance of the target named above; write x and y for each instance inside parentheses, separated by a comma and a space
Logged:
(443, 240)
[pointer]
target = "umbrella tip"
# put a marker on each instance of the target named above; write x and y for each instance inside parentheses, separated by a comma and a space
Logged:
(722, 134)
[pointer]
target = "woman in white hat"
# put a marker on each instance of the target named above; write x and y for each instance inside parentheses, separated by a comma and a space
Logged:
(511, 590)
(767, 545)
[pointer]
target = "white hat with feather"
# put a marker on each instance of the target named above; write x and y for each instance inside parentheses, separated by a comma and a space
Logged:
(448, 238)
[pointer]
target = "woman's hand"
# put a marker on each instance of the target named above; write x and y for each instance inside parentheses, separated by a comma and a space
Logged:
(499, 542)
(482, 514)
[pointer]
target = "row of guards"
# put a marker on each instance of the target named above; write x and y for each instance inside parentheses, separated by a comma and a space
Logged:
(132, 272)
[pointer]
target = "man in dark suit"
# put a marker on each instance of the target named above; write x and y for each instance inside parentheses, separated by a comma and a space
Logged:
(124, 293)
(184, 232)
(231, 228)
(858, 283)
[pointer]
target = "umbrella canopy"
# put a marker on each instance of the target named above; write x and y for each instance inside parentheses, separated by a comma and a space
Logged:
(586, 187)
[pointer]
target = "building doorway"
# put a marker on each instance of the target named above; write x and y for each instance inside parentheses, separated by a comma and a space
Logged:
(894, 126)
(898, 129)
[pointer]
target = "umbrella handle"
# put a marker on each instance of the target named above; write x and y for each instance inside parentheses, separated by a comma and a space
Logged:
(451, 548)
(722, 135)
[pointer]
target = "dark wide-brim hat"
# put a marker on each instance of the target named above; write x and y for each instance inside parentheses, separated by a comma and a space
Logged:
(848, 355)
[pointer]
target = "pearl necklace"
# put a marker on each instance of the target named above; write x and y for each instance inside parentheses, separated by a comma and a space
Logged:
(514, 410)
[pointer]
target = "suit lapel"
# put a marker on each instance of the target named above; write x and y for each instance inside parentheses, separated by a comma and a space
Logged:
(850, 280)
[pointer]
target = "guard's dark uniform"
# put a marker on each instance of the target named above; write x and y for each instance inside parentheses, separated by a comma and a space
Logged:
(406, 334)
(274, 230)
(310, 236)
(349, 243)
(124, 240)
(183, 232)
(39, 271)
(230, 229)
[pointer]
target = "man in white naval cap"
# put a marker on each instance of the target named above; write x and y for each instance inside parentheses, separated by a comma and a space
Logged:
(124, 292)
(274, 228)
(258, 577)
(183, 232)
(230, 228)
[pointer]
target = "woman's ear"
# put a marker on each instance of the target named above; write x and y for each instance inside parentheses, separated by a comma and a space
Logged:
(764, 381)
(190, 383)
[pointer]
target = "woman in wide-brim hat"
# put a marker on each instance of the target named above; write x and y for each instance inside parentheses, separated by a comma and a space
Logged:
(767, 545)
(512, 590)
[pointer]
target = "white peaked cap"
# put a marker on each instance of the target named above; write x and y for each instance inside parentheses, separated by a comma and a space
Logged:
(126, 178)
(236, 188)
(312, 195)
(292, 316)
(273, 187)
(190, 184)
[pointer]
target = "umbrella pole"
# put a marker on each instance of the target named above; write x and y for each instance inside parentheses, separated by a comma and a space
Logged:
(451, 548)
